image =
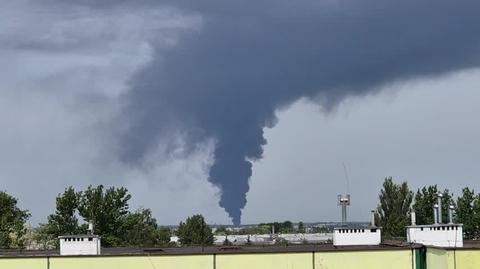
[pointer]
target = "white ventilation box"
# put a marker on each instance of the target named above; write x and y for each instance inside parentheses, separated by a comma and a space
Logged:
(79, 245)
(438, 235)
(343, 236)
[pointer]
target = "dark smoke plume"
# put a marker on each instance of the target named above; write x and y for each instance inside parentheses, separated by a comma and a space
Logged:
(252, 57)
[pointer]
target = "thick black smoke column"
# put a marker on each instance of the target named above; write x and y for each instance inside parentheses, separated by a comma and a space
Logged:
(252, 57)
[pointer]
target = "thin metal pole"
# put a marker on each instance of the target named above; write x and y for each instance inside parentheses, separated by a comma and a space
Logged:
(440, 195)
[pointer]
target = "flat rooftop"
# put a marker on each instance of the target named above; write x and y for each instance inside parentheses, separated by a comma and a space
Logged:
(5, 253)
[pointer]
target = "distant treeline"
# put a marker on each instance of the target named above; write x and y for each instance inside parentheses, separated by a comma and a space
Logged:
(397, 202)
(108, 210)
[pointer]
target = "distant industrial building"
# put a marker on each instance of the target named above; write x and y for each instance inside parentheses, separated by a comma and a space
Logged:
(272, 239)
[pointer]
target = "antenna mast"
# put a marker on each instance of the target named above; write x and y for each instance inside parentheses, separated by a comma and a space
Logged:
(346, 177)
(344, 199)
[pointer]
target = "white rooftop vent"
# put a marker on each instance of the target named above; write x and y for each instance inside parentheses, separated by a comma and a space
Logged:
(344, 236)
(437, 234)
(79, 245)
(356, 237)
(88, 244)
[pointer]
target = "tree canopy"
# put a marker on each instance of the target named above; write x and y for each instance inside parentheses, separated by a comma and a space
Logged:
(393, 211)
(141, 229)
(195, 232)
(12, 222)
(468, 213)
(105, 208)
(64, 221)
(425, 198)
(108, 210)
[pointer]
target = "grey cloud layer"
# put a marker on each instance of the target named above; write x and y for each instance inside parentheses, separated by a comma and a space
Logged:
(252, 57)
(220, 69)
(63, 67)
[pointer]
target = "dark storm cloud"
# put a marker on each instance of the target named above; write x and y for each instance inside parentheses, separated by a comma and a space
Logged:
(251, 57)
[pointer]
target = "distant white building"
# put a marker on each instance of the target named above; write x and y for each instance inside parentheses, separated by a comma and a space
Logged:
(269, 239)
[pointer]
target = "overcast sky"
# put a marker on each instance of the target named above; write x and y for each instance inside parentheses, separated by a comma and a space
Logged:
(180, 102)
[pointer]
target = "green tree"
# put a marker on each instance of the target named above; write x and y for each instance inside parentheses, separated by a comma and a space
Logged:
(194, 231)
(286, 227)
(12, 222)
(301, 227)
(264, 229)
(280, 227)
(64, 221)
(106, 209)
(164, 235)
(140, 229)
(394, 208)
(468, 213)
(260, 229)
(424, 201)
(222, 231)
(45, 237)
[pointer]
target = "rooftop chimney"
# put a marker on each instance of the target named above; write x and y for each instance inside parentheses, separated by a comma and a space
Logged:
(450, 214)
(435, 214)
(414, 218)
(90, 228)
(373, 218)
(439, 197)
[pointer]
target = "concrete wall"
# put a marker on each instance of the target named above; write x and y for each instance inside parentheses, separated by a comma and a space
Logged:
(25, 263)
(265, 261)
(141, 262)
(438, 259)
(375, 259)
(453, 259)
(393, 259)
(400, 259)
(466, 259)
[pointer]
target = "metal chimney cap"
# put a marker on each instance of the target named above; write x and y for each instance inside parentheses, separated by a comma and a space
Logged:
(440, 194)
(435, 205)
(451, 207)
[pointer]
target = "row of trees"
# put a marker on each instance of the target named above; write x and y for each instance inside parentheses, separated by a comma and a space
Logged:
(397, 201)
(108, 210)
(12, 222)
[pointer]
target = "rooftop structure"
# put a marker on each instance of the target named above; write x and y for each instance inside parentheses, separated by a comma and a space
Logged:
(88, 244)
(79, 245)
(437, 234)
(344, 201)
(371, 236)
